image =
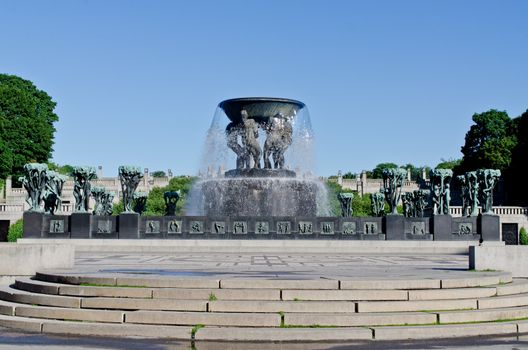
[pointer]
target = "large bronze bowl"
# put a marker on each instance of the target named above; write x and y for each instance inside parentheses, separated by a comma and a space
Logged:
(260, 108)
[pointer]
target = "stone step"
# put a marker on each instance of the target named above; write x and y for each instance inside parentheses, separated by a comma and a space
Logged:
(282, 334)
(503, 301)
(358, 319)
(144, 304)
(444, 331)
(265, 334)
(450, 294)
(219, 294)
(41, 287)
(23, 297)
(480, 279)
(517, 286)
(38, 325)
(261, 283)
(282, 306)
(485, 315)
(345, 295)
(154, 282)
(204, 318)
(69, 314)
(391, 284)
(34, 286)
(477, 281)
(416, 305)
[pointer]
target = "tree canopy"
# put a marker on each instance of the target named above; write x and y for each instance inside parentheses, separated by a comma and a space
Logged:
(448, 164)
(515, 175)
(378, 170)
(155, 201)
(489, 142)
(26, 124)
(158, 173)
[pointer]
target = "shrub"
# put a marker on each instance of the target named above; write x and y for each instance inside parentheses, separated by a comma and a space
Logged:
(15, 231)
(523, 236)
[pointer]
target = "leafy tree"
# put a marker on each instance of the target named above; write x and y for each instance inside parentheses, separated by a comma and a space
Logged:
(515, 175)
(26, 124)
(61, 169)
(360, 205)
(15, 231)
(416, 172)
(523, 236)
(118, 208)
(155, 201)
(378, 170)
(489, 142)
(158, 173)
(6, 159)
(349, 175)
(449, 164)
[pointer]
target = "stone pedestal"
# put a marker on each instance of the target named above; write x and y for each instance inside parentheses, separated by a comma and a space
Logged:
(394, 227)
(33, 224)
(489, 227)
(259, 196)
(442, 227)
(80, 225)
(128, 226)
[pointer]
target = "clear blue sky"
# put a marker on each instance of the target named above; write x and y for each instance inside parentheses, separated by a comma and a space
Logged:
(137, 82)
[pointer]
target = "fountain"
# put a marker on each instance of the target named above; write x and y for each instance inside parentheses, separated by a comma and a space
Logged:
(267, 137)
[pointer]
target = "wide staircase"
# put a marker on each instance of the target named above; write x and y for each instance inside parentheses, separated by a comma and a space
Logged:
(243, 309)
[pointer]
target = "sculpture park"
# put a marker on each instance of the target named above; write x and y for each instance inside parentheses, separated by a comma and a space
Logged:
(262, 197)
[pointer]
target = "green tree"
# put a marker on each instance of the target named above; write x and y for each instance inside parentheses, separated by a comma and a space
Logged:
(378, 170)
(6, 159)
(26, 124)
(158, 173)
(155, 201)
(61, 169)
(349, 175)
(360, 205)
(515, 175)
(489, 142)
(15, 231)
(448, 164)
(523, 236)
(416, 172)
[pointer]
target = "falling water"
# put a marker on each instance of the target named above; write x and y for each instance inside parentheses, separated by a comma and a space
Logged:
(212, 192)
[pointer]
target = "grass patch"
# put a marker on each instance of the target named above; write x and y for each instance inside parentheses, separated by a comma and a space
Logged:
(195, 329)
(212, 297)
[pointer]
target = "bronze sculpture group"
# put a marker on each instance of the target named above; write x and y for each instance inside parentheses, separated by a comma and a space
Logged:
(242, 137)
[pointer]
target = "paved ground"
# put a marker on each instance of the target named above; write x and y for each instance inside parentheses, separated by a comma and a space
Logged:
(261, 265)
(275, 265)
(24, 341)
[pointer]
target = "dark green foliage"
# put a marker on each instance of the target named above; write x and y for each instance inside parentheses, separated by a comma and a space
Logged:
(158, 173)
(378, 170)
(61, 169)
(15, 231)
(448, 164)
(416, 172)
(155, 202)
(26, 124)
(349, 175)
(118, 208)
(489, 142)
(515, 175)
(360, 205)
(523, 236)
